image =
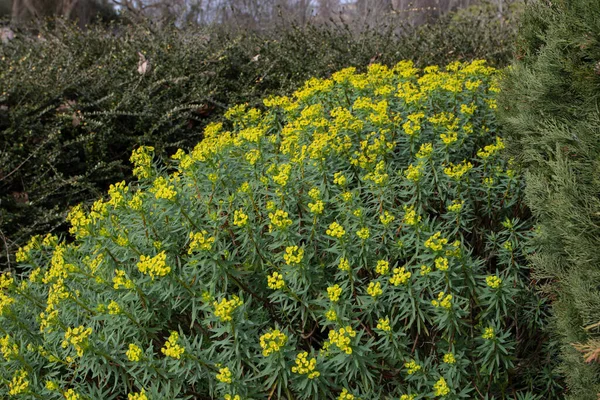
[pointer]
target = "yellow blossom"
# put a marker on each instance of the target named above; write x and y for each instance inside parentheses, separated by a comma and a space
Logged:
(345, 395)
(172, 348)
(489, 333)
(493, 281)
(344, 264)
(441, 263)
(293, 255)
(19, 383)
(114, 308)
(336, 230)
(410, 216)
(225, 308)
(275, 281)
(306, 366)
(412, 367)
(374, 289)
(272, 341)
(162, 189)
(341, 339)
(334, 292)
(363, 233)
(78, 338)
(154, 266)
(400, 277)
(382, 268)
(458, 170)
(449, 358)
(384, 324)
(331, 315)
(200, 241)
(142, 161)
(279, 219)
(386, 218)
(425, 270)
(137, 396)
(134, 353)
(441, 388)
(120, 280)
(225, 375)
(240, 218)
(436, 243)
(443, 301)
(339, 179)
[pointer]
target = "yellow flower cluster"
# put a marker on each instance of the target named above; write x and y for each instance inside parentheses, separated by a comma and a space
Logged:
(386, 218)
(141, 158)
(293, 255)
(200, 241)
(436, 243)
(306, 366)
(275, 281)
(456, 206)
(172, 348)
(279, 219)
(410, 216)
(225, 375)
(225, 308)
(383, 267)
(134, 353)
(493, 281)
(232, 397)
(457, 171)
(363, 233)
(334, 292)
(317, 207)
(441, 263)
(79, 221)
(154, 266)
(162, 189)
(344, 264)
(489, 333)
(114, 308)
(345, 395)
(339, 179)
(400, 277)
(19, 383)
(491, 149)
(137, 396)
(240, 218)
(449, 358)
(414, 172)
(335, 230)
(331, 315)
(412, 367)
(374, 289)
(71, 395)
(341, 339)
(408, 397)
(443, 300)
(441, 388)
(272, 342)
(78, 338)
(384, 324)
(8, 349)
(120, 280)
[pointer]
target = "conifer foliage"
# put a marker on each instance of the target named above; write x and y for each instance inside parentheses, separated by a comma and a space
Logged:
(550, 106)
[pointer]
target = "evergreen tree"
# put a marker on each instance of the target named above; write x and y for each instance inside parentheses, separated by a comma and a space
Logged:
(551, 108)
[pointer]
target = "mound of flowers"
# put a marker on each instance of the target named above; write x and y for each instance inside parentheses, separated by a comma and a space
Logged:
(360, 239)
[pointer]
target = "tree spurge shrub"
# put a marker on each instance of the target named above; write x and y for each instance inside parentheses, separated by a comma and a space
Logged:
(362, 239)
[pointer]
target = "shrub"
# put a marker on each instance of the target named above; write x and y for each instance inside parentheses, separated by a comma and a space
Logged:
(362, 238)
(73, 104)
(550, 109)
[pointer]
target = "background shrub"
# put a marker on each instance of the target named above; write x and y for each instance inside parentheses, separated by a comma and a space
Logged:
(73, 104)
(550, 108)
(363, 238)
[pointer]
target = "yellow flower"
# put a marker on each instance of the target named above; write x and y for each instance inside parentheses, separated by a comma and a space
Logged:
(441, 263)
(293, 255)
(400, 277)
(78, 338)
(253, 156)
(240, 218)
(331, 315)
(457, 171)
(154, 266)
(441, 387)
(225, 308)
(493, 281)
(425, 270)
(272, 342)
(412, 367)
(449, 358)
(51, 385)
(336, 230)
(347, 196)
(386, 218)
(71, 395)
(200, 241)
(306, 366)
(382, 268)
(232, 397)
(334, 292)
(142, 161)
(414, 173)
(456, 206)
(344, 264)
(339, 179)
(407, 397)
(134, 353)
(435, 243)
(121, 280)
(8, 349)
(410, 216)
(489, 334)
(317, 207)
(443, 301)
(341, 339)
(225, 375)
(384, 324)
(345, 395)
(114, 308)
(275, 281)
(172, 348)
(279, 219)
(137, 396)
(162, 189)
(363, 233)
(374, 289)
(19, 383)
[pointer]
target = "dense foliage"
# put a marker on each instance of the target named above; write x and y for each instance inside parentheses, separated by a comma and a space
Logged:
(74, 104)
(550, 109)
(362, 238)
